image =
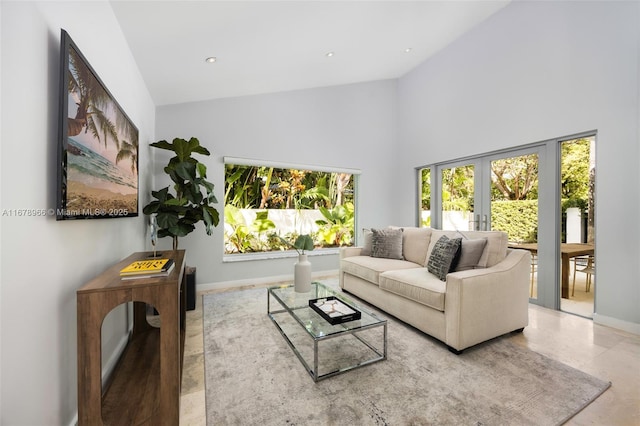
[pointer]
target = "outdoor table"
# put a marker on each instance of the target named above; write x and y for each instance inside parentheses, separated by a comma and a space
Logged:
(567, 251)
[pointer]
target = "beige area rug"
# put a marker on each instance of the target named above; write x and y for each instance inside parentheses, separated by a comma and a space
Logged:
(254, 378)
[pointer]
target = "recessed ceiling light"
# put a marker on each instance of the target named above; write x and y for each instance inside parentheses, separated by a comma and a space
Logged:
(330, 54)
(211, 59)
(407, 50)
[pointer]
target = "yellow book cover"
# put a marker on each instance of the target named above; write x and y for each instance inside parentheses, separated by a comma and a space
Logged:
(146, 266)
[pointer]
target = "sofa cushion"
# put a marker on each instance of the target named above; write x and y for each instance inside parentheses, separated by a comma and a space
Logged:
(416, 284)
(443, 256)
(415, 243)
(470, 252)
(494, 251)
(387, 243)
(369, 268)
(496, 248)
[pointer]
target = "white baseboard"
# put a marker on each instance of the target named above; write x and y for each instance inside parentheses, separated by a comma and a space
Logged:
(627, 326)
(258, 281)
(115, 356)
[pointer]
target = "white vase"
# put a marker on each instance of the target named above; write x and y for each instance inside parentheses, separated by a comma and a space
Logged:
(302, 274)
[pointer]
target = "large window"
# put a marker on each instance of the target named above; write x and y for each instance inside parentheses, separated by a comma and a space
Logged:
(265, 204)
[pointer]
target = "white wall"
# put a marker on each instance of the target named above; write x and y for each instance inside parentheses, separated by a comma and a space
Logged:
(532, 72)
(43, 261)
(349, 126)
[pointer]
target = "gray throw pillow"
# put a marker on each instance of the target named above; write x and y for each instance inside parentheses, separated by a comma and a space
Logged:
(386, 243)
(470, 254)
(443, 256)
(366, 247)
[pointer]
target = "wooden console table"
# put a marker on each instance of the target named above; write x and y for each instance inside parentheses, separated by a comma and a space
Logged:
(145, 385)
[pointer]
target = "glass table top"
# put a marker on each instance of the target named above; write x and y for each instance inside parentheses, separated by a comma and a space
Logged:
(297, 304)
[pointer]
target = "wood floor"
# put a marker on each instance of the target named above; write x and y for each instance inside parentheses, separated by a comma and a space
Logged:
(604, 352)
(141, 385)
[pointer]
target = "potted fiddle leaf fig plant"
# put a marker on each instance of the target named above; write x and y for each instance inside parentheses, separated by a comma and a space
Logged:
(177, 213)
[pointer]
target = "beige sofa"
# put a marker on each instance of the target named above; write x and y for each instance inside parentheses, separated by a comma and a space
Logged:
(470, 307)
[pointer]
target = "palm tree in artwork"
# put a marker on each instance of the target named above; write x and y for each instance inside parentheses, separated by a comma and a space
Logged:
(129, 151)
(92, 101)
(128, 148)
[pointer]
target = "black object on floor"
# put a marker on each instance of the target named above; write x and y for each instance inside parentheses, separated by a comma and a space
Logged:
(191, 287)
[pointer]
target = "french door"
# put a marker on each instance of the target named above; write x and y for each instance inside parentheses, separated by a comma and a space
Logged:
(472, 191)
(498, 191)
(522, 192)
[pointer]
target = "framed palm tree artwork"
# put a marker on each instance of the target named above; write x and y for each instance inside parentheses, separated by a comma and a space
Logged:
(98, 145)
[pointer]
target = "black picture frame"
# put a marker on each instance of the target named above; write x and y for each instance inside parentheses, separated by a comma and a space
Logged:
(97, 145)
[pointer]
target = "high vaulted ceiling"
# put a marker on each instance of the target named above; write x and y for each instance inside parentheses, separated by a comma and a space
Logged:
(273, 46)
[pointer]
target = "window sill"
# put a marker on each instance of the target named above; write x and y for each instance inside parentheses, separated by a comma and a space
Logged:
(285, 254)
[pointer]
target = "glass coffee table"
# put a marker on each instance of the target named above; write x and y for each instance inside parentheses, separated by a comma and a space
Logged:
(345, 346)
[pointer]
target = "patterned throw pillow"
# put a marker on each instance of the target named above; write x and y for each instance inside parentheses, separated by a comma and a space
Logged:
(386, 243)
(444, 256)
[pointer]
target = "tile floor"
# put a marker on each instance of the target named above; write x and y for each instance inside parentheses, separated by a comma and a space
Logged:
(580, 302)
(604, 352)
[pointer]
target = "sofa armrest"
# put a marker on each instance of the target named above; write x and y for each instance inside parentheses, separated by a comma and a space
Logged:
(350, 251)
(481, 304)
(344, 253)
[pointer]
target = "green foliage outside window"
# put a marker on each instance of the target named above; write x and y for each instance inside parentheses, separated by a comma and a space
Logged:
(515, 178)
(575, 170)
(336, 229)
(457, 189)
(425, 175)
(518, 218)
(267, 189)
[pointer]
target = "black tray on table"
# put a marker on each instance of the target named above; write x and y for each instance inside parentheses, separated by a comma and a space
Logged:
(334, 310)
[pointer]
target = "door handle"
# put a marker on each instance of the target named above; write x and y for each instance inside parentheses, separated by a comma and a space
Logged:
(476, 223)
(484, 222)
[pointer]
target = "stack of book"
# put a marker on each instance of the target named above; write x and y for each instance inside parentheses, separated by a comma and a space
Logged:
(147, 269)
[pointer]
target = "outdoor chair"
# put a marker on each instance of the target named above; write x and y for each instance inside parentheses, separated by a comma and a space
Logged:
(534, 268)
(586, 265)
